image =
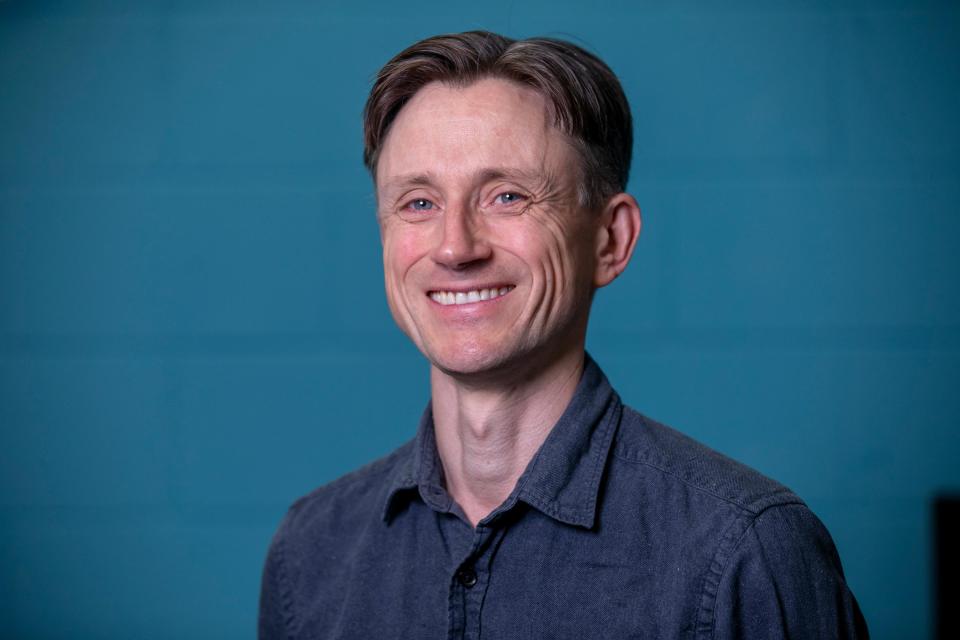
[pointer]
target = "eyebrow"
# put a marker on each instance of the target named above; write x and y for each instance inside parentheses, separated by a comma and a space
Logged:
(484, 175)
(409, 180)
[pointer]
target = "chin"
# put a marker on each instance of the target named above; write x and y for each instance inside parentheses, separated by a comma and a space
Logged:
(493, 362)
(467, 359)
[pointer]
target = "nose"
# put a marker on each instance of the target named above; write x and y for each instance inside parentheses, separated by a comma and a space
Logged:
(461, 240)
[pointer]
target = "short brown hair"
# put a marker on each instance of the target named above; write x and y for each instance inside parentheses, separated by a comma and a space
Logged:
(586, 99)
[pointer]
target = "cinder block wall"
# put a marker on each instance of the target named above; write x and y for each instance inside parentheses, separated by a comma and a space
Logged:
(192, 325)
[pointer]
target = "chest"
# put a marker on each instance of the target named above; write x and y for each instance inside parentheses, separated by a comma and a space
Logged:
(432, 576)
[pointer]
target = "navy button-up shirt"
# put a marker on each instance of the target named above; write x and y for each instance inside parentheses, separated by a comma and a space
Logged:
(619, 528)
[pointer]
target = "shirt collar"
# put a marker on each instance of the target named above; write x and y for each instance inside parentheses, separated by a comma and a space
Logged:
(419, 471)
(563, 478)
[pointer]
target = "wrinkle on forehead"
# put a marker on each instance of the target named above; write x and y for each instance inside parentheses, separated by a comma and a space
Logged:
(487, 174)
(459, 131)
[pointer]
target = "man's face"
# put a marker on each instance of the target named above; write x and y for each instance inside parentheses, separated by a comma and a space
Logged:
(488, 258)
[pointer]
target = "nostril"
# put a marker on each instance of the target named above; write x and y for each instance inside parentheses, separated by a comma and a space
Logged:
(460, 251)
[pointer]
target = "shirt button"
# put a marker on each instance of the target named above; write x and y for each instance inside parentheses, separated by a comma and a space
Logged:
(467, 577)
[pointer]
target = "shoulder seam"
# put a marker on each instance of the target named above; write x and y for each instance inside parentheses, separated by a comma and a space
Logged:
(706, 620)
(718, 568)
(788, 496)
(778, 494)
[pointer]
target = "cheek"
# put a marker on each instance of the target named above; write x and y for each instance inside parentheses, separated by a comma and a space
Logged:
(404, 247)
(549, 247)
(401, 249)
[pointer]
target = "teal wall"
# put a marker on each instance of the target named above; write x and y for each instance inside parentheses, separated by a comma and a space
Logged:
(192, 325)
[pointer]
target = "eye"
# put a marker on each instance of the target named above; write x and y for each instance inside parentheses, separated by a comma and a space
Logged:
(418, 209)
(419, 204)
(509, 203)
(508, 197)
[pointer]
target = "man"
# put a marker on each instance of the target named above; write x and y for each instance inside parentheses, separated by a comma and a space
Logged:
(532, 503)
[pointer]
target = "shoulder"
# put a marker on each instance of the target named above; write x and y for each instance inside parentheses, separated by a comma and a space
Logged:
(694, 467)
(318, 530)
(765, 558)
(347, 502)
(782, 578)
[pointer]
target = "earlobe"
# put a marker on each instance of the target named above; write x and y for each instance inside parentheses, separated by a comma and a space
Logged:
(616, 238)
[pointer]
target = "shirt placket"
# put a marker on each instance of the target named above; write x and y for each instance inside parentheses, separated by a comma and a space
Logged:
(469, 584)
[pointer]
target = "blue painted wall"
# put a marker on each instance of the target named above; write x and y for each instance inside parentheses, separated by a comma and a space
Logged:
(192, 325)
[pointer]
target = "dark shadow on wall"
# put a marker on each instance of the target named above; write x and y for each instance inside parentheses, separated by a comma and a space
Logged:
(946, 564)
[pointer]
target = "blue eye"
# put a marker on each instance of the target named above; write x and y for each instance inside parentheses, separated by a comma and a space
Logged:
(508, 198)
(418, 210)
(420, 204)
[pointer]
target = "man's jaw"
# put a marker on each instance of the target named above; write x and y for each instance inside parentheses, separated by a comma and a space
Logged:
(463, 295)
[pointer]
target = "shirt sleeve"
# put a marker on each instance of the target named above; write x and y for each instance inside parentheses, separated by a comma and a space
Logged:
(784, 580)
(274, 594)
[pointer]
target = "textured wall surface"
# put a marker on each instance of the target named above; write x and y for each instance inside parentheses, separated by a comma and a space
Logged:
(192, 325)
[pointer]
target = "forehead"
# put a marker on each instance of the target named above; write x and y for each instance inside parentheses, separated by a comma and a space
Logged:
(451, 131)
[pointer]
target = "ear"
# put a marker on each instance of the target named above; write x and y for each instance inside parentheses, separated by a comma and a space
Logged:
(616, 237)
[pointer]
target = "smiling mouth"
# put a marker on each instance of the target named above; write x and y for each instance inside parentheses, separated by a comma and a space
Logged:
(466, 297)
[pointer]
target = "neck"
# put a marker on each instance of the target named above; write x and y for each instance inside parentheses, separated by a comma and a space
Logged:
(487, 434)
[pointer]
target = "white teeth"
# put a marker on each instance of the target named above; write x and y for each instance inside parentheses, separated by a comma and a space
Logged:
(461, 297)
